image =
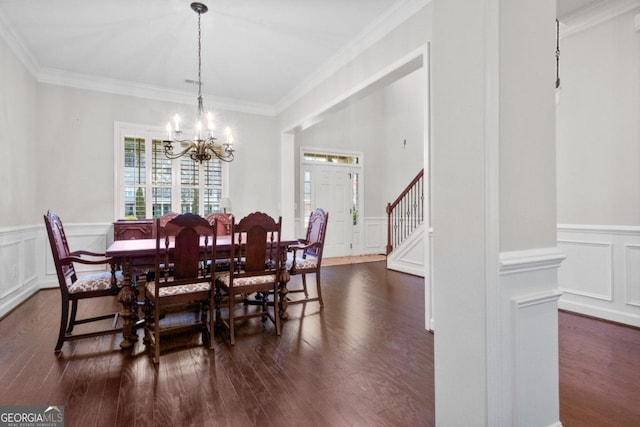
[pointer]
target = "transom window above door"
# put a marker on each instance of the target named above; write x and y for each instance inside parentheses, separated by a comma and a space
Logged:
(149, 185)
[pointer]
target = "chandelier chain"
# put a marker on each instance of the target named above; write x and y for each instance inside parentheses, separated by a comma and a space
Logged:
(199, 57)
(204, 144)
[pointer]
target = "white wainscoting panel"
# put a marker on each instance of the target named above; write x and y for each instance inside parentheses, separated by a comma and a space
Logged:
(601, 276)
(587, 270)
(535, 326)
(528, 336)
(632, 277)
(19, 262)
(372, 239)
(375, 235)
(26, 264)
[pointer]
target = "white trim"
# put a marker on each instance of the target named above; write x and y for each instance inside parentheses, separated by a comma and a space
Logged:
(605, 229)
(16, 46)
(600, 312)
(138, 90)
(537, 299)
(609, 261)
(498, 408)
(374, 32)
(628, 248)
(595, 14)
(392, 72)
(614, 263)
(530, 260)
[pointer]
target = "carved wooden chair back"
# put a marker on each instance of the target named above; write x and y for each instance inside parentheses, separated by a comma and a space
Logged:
(184, 247)
(255, 266)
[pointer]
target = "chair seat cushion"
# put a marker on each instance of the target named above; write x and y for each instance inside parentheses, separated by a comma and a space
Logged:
(308, 263)
(178, 289)
(94, 281)
(224, 279)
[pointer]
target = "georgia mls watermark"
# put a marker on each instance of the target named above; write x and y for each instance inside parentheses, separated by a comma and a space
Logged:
(31, 416)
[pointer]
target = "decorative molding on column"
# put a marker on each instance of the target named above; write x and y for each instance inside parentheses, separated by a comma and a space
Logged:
(530, 259)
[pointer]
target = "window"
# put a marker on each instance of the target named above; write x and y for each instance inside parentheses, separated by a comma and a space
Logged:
(148, 184)
(306, 196)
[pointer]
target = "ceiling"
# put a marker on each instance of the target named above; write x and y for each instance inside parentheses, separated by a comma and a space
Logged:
(254, 52)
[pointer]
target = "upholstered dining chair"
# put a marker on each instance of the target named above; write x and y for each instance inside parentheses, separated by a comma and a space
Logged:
(254, 267)
(184, 245)
(76, 286)
(306, 256)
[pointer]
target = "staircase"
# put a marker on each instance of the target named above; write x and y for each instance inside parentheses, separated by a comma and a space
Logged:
(406, 229)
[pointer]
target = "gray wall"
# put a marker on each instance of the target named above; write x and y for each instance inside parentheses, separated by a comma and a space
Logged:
(598, 126)
(19, 160)
(59, 150)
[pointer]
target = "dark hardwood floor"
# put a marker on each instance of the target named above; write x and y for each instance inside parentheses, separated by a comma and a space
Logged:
(363, 360)
(599, 373)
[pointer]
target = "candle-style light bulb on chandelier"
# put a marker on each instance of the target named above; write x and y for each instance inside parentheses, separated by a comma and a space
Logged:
(204, 145)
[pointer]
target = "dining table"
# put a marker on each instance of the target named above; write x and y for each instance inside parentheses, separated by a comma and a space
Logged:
(136, 255)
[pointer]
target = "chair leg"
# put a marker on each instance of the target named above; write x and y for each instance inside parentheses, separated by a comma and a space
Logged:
(304, 285)
(72, 318)
(212, 322)
(147, 322)
(156, 333)
(64, 318)
(231, 321)
(276, 310)
(318, 287)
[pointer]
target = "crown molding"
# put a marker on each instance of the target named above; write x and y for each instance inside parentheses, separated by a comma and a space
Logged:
(139, 90)
(17, 47)
(374, 32)
(594, 15)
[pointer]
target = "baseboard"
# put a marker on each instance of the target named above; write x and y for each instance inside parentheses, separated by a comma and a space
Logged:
(11, 301)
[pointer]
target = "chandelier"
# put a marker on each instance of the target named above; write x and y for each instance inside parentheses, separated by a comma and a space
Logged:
(204, 145)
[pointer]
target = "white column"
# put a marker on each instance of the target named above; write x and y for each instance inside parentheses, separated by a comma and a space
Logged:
(494, 215)
(287, 185)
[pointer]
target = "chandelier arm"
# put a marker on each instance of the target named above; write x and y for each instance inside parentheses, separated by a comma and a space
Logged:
(227, 152)
(168, 149)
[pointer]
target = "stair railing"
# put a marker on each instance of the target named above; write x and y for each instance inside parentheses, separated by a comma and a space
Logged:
(406, 213)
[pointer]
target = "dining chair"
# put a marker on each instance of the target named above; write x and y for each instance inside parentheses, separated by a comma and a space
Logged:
(309, 258)
(184, 245)
(76, 286)
(254, 267)
(224, 222)
(163, 220)
(223, 228)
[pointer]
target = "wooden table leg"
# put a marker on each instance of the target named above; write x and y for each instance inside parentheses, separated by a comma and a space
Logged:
(284, 278)
(127, 297)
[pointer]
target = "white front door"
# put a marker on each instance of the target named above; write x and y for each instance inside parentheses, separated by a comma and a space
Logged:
(332, 190)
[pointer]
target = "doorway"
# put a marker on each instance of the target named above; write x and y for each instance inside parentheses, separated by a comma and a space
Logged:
(331, 181)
